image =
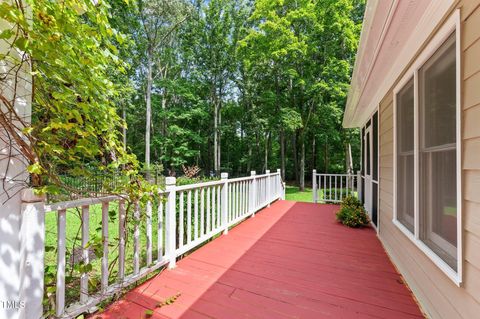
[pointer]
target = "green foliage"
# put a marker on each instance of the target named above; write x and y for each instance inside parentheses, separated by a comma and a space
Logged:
(351, 201)
(276, 72)
(352, 213)
(77, 81)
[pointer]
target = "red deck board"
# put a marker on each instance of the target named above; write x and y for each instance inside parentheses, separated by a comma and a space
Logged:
(292, 260)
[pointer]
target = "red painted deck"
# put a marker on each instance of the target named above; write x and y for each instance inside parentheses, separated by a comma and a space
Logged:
(293, 260)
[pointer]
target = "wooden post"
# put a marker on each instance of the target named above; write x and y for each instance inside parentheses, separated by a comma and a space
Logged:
(279, 183)
(136, 238)
(224, 203)
(170, 222)
(122, 213)
(314, 186)
(359, 185)
(85, 255)
(268, 187)
(32, 250)
(104, 282)
(254, 192)
(149, 232)
(61, 261)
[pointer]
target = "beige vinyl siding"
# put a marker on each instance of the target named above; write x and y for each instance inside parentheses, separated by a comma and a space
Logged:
(437, 294)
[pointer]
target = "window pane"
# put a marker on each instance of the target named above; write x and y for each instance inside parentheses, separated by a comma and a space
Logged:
(375, 147)
(363, 151)
(438, 174)
(375, 204)
(367, 153)
(405, 156)
(438, 96)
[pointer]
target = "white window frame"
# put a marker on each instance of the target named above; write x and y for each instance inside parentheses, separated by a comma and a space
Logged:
(451, 25)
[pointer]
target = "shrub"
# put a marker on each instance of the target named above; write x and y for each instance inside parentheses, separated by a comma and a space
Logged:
(351, 201)
(352, 213)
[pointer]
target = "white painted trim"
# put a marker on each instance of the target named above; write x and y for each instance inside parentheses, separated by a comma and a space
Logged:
(362, 160)
(458, 43)
(432, 17)
(452, 24)
(442, 265)
(378, 168)
(416, 157)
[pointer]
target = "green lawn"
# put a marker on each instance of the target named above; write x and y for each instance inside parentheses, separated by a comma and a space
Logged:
(293, 193)
(73, 227)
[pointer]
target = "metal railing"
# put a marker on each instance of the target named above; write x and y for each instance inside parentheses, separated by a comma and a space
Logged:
(186, 216)
(333, 188)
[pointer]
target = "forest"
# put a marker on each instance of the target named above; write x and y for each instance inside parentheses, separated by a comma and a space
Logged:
(233, 86)
(239, 85)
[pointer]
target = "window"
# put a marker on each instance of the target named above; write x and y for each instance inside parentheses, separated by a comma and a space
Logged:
(438, 178)
(427, 151)
(367, 154)
(405, 156)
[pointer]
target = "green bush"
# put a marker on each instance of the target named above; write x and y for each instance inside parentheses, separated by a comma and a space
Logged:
(351, 201)
(352, 213)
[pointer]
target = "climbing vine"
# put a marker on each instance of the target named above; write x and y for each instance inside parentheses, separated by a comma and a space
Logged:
(67, 52)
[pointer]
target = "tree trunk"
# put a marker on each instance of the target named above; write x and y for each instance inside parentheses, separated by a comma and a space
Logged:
(326, 155)
(282, 153)
(267, 137)
(164, 123)
(219, 141)
(148, 98)
(215, 139)
(295, 157)
(124, 130)
(314, 153)
(249, 161)
(302, 163)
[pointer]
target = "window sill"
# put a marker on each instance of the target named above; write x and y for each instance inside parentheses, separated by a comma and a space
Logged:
(442, 265)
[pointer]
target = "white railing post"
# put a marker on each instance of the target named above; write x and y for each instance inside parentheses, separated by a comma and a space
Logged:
(224, 202)
(32, 250)
(122, 213)
(136, 238)
(314, 186)
(170, 222)
(85, 253)
(267, 187)
(359, 185)
(279, 183)
(149, 232)
(104, 272)
(254, 192)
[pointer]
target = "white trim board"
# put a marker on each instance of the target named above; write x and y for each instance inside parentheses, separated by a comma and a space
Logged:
(434, 14)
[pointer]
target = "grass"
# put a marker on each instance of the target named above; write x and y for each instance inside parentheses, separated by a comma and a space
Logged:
(293, 193)
(73, 226)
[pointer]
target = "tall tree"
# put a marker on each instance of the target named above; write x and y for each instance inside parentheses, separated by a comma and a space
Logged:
(159, 19)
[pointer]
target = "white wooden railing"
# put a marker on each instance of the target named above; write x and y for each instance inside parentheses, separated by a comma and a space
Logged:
(333, 188)
(187, 216)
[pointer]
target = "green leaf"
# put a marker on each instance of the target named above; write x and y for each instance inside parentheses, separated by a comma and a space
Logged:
(21, 43)
(35, 168)
(6, 34)
(148, 313)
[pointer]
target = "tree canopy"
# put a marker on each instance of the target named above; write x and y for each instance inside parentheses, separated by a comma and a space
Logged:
(227, 85)
(250, 85)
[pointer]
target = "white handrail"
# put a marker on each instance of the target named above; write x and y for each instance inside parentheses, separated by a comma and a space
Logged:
(188, 215)
(333, 188)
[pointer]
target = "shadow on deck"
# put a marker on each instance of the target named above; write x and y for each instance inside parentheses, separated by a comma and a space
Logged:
(293, 260)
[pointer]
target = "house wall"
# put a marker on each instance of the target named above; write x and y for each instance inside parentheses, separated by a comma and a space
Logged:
(10, 200)
(438, 295)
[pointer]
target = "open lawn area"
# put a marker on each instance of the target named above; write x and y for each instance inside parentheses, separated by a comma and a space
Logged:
(293, 193)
